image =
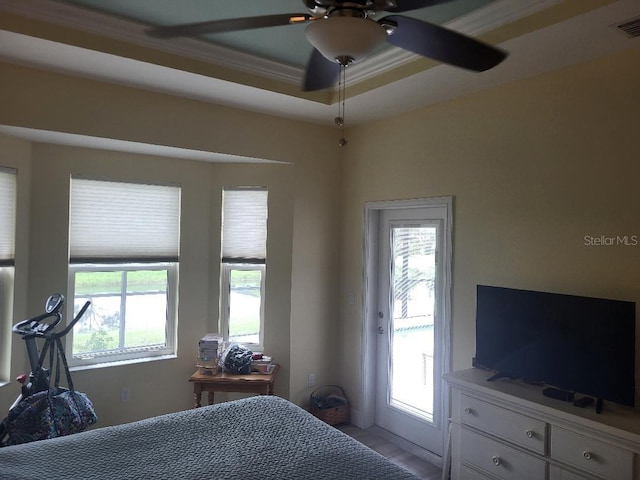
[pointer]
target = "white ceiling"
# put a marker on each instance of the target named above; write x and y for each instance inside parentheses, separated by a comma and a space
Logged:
(572, 41)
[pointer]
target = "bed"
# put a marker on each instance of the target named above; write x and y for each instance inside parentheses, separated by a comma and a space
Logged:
(263, 437)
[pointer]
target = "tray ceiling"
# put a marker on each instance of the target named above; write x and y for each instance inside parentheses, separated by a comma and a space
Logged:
(262, 70)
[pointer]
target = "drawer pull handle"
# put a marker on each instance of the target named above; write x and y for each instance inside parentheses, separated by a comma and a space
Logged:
(529, 433)
(467, 411)
(496, 460)
(587, 455)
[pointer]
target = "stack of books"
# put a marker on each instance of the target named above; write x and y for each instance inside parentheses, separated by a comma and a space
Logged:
(209, 354)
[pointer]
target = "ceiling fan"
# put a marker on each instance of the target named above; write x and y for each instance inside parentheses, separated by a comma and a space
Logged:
(343, 32)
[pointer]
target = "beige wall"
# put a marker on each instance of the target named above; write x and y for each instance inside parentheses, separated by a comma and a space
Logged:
(533, 166)
(303, 225)
(201, 186)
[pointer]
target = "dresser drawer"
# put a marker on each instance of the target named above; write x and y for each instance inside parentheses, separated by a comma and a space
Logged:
(513, 427)
(590, 455)
(557, 473)
(469, 474)
(497, 459)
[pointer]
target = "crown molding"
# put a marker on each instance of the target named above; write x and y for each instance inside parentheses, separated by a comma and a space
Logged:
(497, 14)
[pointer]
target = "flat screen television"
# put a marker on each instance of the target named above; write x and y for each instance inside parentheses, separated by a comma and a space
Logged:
(579, 344)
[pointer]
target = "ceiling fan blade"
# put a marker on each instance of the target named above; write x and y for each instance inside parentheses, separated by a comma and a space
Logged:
(406, 5)
(442, 44)
(321, 73)
(228, 25)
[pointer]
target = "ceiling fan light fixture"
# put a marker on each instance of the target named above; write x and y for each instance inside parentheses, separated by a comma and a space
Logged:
(338, 38)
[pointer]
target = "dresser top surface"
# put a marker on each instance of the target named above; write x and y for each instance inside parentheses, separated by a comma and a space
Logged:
(618, 419)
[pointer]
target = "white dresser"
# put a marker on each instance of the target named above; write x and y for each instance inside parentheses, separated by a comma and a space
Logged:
(507, 429)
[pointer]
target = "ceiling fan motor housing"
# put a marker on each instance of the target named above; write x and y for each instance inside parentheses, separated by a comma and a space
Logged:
(345, 39)
(322, 7)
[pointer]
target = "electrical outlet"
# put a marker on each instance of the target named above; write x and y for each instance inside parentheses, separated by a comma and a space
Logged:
(125, 394)
(311, 380)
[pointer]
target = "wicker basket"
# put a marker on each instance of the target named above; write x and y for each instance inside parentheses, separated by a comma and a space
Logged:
(325, 411)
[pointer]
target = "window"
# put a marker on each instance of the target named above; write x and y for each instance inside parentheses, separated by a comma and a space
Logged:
(244, 245)
(124, 244)
(7, 216)
(8, 191)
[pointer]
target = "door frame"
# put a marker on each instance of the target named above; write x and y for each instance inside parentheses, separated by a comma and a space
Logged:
(372, 212)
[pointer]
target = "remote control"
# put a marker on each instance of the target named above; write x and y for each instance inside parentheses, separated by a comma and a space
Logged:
(583, 402)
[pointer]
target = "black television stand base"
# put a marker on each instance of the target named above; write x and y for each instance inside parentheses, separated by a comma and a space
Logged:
(501, 375)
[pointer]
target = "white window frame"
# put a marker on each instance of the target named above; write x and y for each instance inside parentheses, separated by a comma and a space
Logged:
(133, 353)
(124, 225)
(225, 304)
(8, 217)
(244, 247)
(6, 310)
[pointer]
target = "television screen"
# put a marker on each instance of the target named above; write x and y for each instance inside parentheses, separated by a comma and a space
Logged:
(581, 344)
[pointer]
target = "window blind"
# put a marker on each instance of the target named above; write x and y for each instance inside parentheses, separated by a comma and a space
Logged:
(7, 216)
(244, 225)
(123, 222)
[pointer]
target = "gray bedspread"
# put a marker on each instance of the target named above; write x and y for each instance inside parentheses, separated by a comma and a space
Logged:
(256, 438)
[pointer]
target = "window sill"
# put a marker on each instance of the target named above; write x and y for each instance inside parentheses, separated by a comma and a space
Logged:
(119, 363)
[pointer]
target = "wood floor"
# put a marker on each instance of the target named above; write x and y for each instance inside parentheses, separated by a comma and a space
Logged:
(416, 465)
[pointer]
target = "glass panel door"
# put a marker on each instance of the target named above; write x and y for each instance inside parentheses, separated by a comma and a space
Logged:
(413, 273)
(411, 318)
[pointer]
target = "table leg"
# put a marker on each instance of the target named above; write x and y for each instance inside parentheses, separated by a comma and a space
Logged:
(197, 394)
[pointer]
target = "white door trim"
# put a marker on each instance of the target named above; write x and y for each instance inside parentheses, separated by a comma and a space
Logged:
(366, 415)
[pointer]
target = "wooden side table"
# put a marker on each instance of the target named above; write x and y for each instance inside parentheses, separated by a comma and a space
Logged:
(261, 383)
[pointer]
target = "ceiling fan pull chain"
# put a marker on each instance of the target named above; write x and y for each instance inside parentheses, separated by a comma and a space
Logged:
(341, 102)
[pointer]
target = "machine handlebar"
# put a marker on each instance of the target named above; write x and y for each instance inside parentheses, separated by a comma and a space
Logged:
(39, 326)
